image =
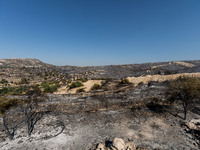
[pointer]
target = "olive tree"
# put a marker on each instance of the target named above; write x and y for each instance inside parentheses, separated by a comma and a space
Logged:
(185, 90)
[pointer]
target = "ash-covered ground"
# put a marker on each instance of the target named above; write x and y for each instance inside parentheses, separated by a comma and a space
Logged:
(84, 130)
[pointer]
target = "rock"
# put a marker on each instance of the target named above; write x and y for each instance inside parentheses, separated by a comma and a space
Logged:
(100, 146)
(190, 125)
(130, 146)
(118, 144)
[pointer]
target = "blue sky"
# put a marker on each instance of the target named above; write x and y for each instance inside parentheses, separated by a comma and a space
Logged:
(100, 32)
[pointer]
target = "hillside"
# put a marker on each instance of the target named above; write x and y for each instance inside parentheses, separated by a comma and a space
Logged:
(110, 71)
(74, 108)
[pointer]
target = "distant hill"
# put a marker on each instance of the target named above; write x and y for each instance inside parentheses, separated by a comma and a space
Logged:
(109, 71)
(120, 71)
(23, 62)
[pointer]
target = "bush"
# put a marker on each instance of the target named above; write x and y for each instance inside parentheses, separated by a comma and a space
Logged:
(84, 79)
(96, 87)
(50, 87)
(3, 81)
(35, 86)
(23, 81)
(69, 81)
(104, 82)
(80, 90)
(75, 85)
(124, 81)
(13, 90)
(64, 81)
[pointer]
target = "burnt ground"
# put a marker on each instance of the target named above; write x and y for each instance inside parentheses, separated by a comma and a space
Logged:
(90, 120)
(148, 129)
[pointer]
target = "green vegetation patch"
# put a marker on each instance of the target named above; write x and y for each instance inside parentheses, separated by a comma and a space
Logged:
(75, 85)
(96, 87)
(24, 81)
(80, 90)
(84, 79)
(50, 87)
(3, 81)
(13, 90)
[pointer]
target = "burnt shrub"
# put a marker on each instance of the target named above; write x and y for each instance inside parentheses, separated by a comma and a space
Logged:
(156, 105)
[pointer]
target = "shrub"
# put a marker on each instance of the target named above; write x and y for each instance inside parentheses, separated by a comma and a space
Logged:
(13, 90)
(69, 81)
(50, 87)
(23, 81)
(124, 81)
(75, 84)
(64, 81)
(96, 87)
(84, 79)
(80, 90)
(104, 82)
(35, 86)
(3, 81)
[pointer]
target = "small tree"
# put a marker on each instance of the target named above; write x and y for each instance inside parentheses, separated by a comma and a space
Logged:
(184, 90)
(12, 119)
(31, 110)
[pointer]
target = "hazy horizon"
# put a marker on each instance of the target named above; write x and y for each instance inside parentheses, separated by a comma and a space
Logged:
(104, 64)
(106, 32)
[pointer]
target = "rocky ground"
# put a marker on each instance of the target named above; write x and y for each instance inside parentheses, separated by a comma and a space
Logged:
(82, 121)
(85, 130)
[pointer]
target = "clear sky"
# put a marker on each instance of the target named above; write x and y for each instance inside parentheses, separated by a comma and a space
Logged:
(100, 32)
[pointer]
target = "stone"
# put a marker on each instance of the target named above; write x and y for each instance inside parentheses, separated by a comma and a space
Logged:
(119, 144)
(100, 146)
(130, 146)
(190, 125)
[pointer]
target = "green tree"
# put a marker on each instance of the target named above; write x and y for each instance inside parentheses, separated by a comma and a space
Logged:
(184, 90)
